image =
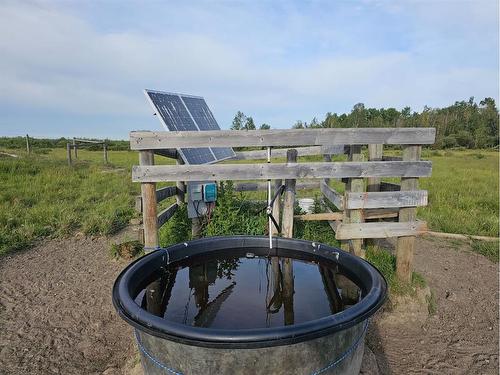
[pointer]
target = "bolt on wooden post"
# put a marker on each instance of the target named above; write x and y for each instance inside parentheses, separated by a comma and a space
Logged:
(149, 210)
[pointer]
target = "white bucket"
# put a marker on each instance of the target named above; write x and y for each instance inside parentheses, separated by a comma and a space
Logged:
(306, 204)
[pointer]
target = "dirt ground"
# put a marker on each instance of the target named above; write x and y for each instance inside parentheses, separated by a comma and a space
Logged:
(56, 315)
(462, 336)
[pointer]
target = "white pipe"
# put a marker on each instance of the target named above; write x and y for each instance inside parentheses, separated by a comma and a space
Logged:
(269, 202)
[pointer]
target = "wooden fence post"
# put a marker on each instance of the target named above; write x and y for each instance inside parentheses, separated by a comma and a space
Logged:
(28, 148)
(375, 153)
(288, 208)
(356, 185)
(406, 245)
(105, 149)
(75, 148)
(289, 201)
(68, 153)
(149, 207)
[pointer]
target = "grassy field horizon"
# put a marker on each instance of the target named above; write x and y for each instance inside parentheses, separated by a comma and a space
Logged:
(41, 196)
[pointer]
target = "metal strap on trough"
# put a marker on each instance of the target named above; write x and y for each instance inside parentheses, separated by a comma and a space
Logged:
(153, 359)
(330, 366)
(346, 353)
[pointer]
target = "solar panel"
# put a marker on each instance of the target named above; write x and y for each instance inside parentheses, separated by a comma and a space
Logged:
(206, 121)
(179, 112)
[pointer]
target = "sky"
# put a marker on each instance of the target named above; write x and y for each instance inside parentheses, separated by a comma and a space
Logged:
(79, 68)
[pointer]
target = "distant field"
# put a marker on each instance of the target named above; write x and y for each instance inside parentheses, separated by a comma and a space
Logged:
(41, 196)
(463, 193)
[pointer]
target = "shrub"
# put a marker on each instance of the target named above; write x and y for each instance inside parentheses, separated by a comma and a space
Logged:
(449, 141)
(232, 215)
(465, 139)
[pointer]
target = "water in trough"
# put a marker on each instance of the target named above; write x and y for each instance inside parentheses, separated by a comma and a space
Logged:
(247, 292)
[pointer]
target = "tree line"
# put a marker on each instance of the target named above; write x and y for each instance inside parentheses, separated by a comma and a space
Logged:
(464, 124)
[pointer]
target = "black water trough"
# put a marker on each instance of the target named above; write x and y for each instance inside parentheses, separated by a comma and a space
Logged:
(323, 337)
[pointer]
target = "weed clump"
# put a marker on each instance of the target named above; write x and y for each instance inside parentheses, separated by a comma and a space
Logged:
(126, 250)
(489, 249)
(386, 264)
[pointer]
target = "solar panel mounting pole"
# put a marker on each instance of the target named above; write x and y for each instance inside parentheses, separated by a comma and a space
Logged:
(270, 222)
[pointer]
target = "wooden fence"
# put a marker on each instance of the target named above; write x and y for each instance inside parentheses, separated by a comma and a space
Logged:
(369, 208)
(74, 146)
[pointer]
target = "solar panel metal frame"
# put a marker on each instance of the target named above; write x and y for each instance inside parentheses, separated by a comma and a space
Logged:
(180, 96)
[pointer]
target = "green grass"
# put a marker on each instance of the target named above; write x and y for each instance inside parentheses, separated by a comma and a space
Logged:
(488, 249)
(463, 193)
(41, 196)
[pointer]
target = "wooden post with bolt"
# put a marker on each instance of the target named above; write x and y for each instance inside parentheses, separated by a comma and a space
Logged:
(375, 153)
(149, 210)
(406, 245)
(356, 216)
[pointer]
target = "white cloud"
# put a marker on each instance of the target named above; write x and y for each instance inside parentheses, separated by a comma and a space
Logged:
(281, 65)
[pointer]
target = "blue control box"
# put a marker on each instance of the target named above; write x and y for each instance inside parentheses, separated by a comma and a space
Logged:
(210, 192)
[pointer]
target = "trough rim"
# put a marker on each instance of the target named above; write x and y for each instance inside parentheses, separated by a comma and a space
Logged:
(372, 283)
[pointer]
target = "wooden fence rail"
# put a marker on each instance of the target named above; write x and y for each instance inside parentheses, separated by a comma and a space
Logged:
(281, 152)
(356, 201)
(332, 195)
(369, 208)
(221, 172)
(161, 194)
(279, 138)
(257, 186)
(167, 214)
